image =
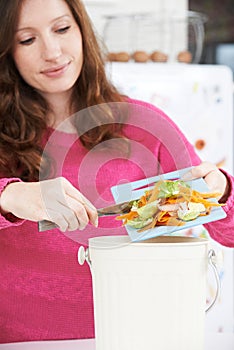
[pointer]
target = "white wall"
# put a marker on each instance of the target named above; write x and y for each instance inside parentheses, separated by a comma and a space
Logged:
(98, 8)
(138, 5)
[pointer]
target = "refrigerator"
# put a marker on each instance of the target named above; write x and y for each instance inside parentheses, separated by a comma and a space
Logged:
(199, 98)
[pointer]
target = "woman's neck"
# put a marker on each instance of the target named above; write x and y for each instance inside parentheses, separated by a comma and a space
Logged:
(60, 112)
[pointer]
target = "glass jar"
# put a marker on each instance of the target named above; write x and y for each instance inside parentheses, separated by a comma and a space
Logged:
(154, 37)
(188, 34)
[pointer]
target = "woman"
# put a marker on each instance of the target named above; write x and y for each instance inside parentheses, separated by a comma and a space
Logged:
(52, 68)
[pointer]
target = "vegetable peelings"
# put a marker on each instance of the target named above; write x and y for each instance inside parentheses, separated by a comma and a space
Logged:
(168, 203)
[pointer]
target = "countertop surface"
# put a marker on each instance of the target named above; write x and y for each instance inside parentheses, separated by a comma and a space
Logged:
(214, 341)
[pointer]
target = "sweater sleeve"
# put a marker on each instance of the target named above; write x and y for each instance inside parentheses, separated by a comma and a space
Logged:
(7, 220)
(222, 231)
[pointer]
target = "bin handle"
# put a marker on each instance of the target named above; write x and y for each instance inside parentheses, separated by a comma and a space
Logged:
(83, 255)
(212, 260)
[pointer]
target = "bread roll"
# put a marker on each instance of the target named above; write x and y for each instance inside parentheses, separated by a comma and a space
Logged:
(111, 57)
(158, 56)
(184, 56)
(122, 56)
(140, 56)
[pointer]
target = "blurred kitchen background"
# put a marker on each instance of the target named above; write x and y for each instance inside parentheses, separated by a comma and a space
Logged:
(179, 55)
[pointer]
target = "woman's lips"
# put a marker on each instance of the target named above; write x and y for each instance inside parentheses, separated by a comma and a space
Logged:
(55, 72)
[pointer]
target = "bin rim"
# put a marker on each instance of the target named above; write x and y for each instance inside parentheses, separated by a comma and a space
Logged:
(112, 241)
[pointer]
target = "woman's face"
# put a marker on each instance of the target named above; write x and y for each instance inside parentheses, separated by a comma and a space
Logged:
(48, 46)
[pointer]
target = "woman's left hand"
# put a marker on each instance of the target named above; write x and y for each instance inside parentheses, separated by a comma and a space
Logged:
(215, 179)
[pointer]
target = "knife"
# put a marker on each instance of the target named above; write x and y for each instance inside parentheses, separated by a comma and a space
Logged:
(115, 209)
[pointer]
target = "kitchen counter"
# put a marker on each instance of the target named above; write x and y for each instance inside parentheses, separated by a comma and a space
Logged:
(214, 341)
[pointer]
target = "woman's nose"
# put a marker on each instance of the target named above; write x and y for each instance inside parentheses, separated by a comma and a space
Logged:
(51, 48)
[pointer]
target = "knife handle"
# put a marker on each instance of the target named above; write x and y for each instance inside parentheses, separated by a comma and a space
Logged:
(45, 225)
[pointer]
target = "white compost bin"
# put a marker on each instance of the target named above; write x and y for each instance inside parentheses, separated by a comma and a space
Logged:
(149, 295)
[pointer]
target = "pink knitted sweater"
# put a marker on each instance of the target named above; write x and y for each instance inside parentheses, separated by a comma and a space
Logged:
(44, 293)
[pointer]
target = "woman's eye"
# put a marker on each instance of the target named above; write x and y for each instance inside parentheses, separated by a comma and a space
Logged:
(63, 29)
(28, 41)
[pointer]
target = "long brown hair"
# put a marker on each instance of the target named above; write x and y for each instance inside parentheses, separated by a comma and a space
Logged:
(23, 110)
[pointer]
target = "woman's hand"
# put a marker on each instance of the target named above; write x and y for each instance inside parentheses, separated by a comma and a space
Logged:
(55, 200)
(215, 179)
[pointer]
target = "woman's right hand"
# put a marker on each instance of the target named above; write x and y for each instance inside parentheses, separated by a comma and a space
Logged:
(56, 200)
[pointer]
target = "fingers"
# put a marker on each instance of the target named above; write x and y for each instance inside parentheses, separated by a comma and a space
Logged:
(215, 179)
(92, 214)
(80, 213)
(58, 219)
(217, 182)
(91, 211)
(66, 206)
(198, 171)
(69, 218)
